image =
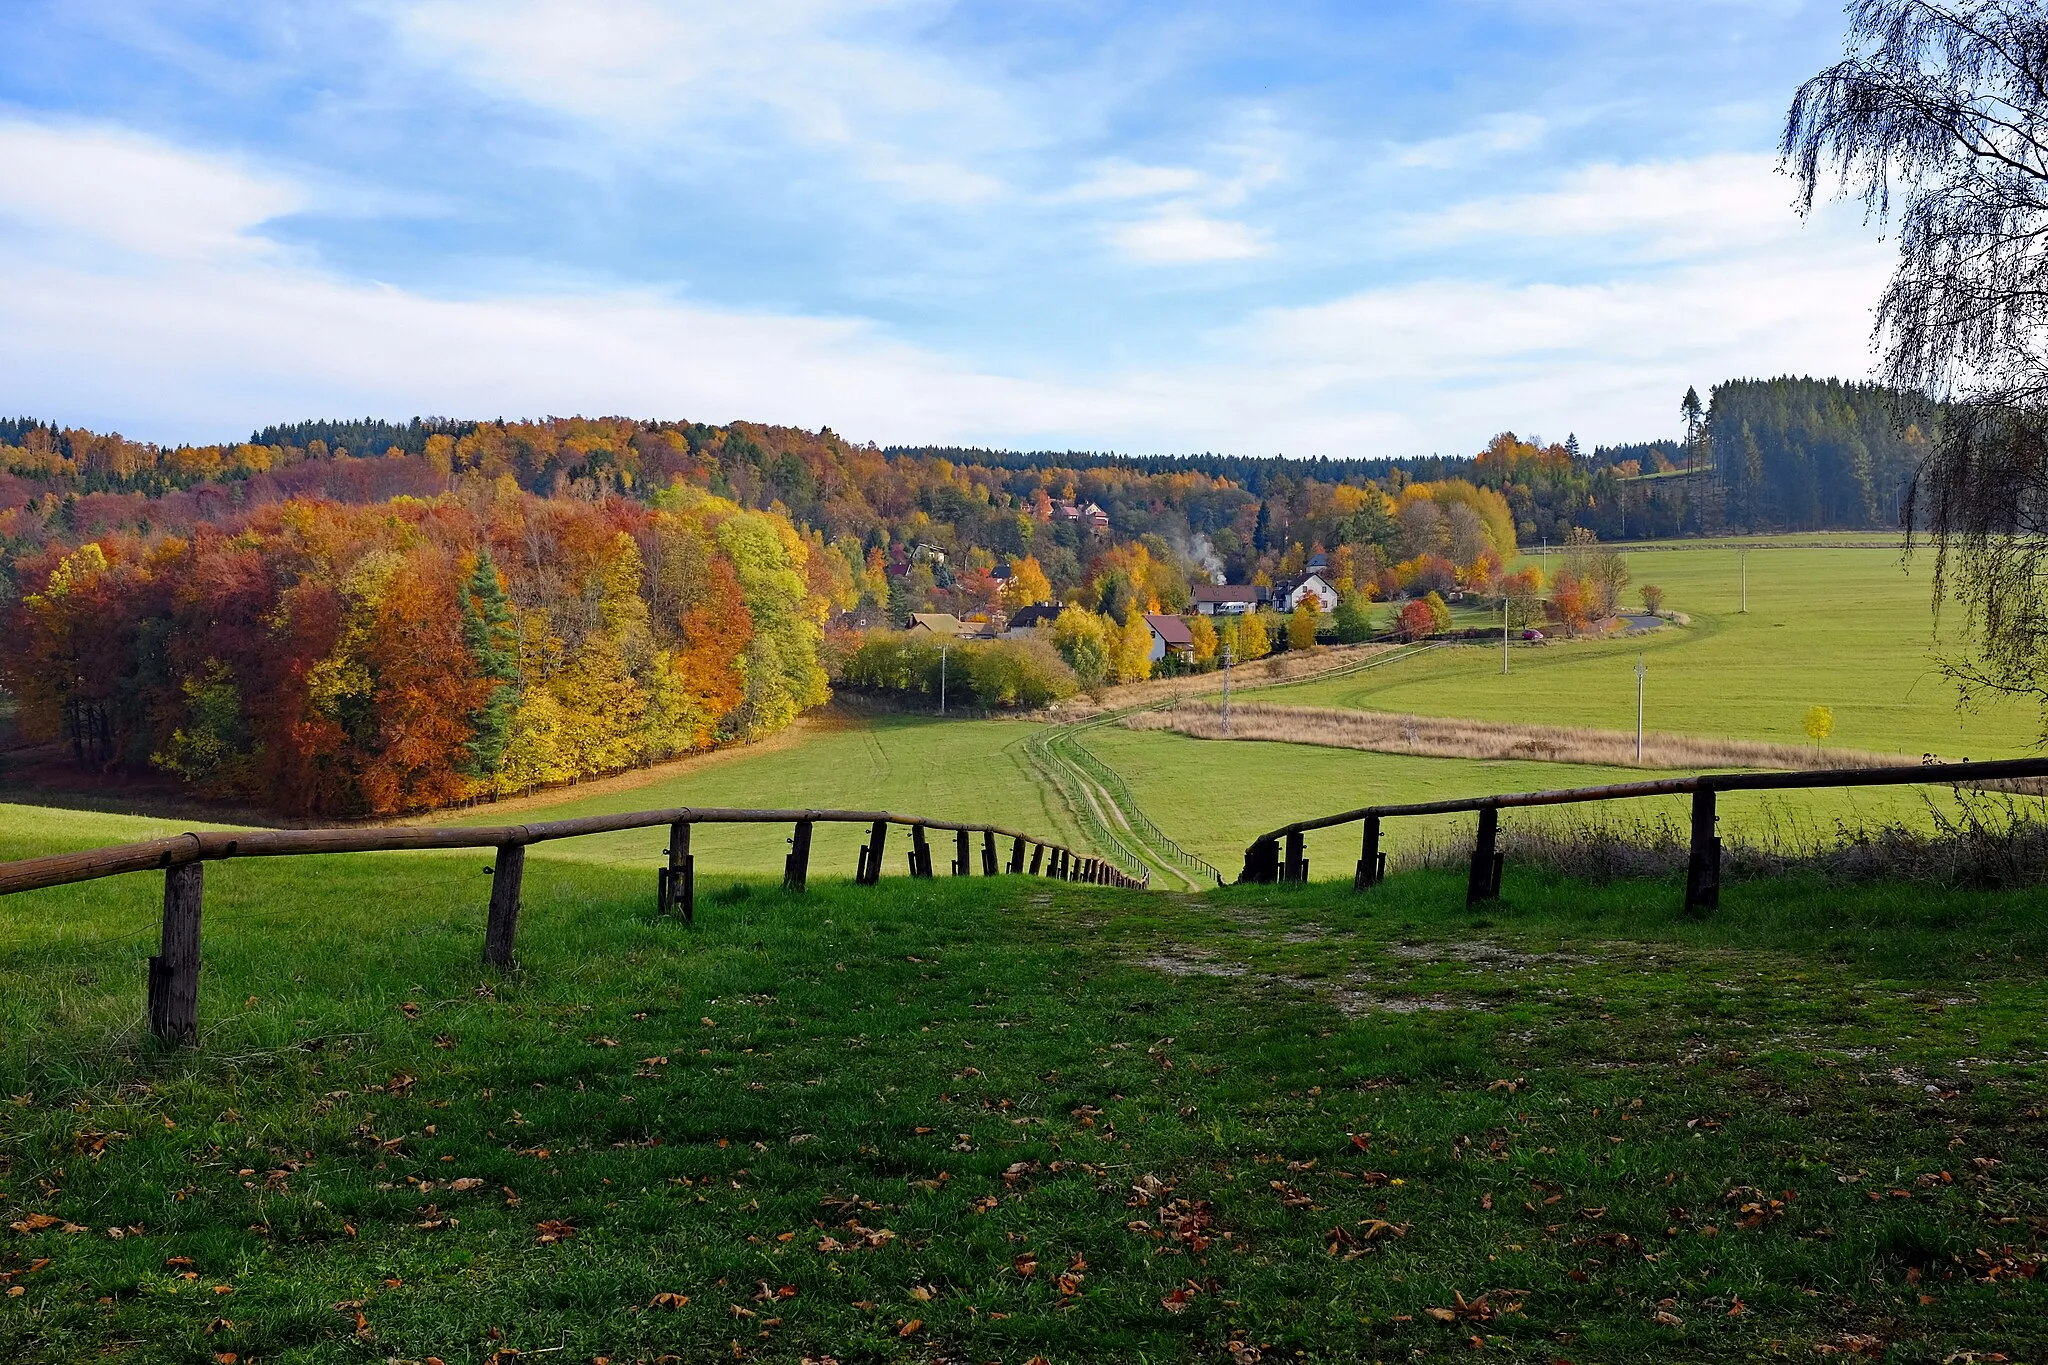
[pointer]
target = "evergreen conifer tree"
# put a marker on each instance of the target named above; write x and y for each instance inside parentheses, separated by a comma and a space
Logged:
(491, 635)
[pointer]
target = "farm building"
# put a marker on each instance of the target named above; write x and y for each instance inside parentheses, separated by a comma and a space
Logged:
(1170, 635)
(1228, 599)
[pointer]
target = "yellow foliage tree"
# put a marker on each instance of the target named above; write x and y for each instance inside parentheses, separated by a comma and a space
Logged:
(1130, 649)
(1028, 583)
(1205, 640)
(1301, 626)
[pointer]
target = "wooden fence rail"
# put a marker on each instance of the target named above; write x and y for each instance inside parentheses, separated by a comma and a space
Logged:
(174, 972)
(1277, 855)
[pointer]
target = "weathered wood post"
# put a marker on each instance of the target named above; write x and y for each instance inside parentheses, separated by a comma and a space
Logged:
(920, 853)
(174, 971)
(1703, 869)
(1062, 858)
(1368, 873)
(1296, 869)
(677, 884)
(1037, 858)
(1482, 880)
(960, 853)
(871, 854)
(988, 853)
(503, 928)
(796, 869)
(1016, 855)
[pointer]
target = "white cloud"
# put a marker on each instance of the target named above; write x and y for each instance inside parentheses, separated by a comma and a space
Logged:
(118, 188)
(659, 71)
(1670, 209)
(1178, 235)
(1491, 136)
(1119, 179)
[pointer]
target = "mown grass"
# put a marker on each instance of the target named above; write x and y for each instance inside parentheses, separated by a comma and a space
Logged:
(1353, 1110)
(1848, 629)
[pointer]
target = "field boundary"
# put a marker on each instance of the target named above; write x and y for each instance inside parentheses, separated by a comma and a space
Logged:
(1265, 862)
(1398, 732)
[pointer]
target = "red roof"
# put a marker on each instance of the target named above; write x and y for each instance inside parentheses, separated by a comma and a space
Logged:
(1171, 629)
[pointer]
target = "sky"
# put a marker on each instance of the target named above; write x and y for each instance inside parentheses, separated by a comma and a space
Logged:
(1353, 228)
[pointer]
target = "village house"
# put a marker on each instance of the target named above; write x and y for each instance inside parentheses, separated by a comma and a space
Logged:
(1170, 635)
(1289, 593)
(935, 623)
(1025, 620)
(1228, 599)
(1086, 514)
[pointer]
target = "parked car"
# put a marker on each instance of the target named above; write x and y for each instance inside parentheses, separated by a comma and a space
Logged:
(1532, 634)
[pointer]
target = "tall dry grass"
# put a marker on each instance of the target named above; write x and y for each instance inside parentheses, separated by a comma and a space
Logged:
(1390, 732)
(1980, 839)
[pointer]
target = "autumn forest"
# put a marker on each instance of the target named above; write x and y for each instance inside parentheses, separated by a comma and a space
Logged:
(363, 618)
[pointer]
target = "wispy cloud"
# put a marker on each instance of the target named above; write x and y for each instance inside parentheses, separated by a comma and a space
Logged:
(1182, 236)
(839, 75)
(1665, 209)
(1492, 136)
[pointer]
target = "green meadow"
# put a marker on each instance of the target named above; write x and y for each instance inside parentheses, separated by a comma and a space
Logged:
(1004, 1120)
(1845, 628)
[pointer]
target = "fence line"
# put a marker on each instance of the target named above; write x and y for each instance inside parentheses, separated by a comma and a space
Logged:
(174, 972)
(1265, 861)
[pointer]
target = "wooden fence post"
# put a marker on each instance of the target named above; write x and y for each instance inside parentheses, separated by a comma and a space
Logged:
(796, 869)
(504, 923)
(1016, 855)
(677, 884)
(1703, 869)
(1368, 874)
(1296, 869)
(174, 971)
(920, 853)
(988, 853)
(1037, 858)
(1482, 879)
(871, 854)
(960, 853)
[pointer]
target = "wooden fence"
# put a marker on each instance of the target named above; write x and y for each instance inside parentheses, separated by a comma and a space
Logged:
(1266, 860)
(174, 972)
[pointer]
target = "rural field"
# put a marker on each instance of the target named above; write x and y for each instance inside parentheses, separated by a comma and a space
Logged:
(1845, 628)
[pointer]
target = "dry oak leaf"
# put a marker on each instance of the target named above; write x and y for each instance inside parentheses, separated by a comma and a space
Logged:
(911, 1328)
(554, 1230)
(1027, 1265)
(467, 1182)
(35, 1222)
(1667, 1318)
(668, 1300)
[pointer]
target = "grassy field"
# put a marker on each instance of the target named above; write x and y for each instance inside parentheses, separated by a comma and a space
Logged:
(918, 765)
(1003, 1121)
(1844, 628)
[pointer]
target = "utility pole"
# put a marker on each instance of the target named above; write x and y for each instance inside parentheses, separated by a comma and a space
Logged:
(1640, 671)
(1503, 636)
(942, 680)
(1743, 557)
(1226, 691)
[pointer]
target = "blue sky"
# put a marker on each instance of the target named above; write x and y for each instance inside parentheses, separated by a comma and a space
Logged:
(1309, 229)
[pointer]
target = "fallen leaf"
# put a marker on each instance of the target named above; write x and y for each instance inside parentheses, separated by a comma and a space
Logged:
(910, 1328)
(555, 1230)
(668, 1301)
(35, 1222)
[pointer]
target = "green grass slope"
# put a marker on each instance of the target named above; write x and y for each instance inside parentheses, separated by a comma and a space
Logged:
(1844, 628)
(1000, 1120)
